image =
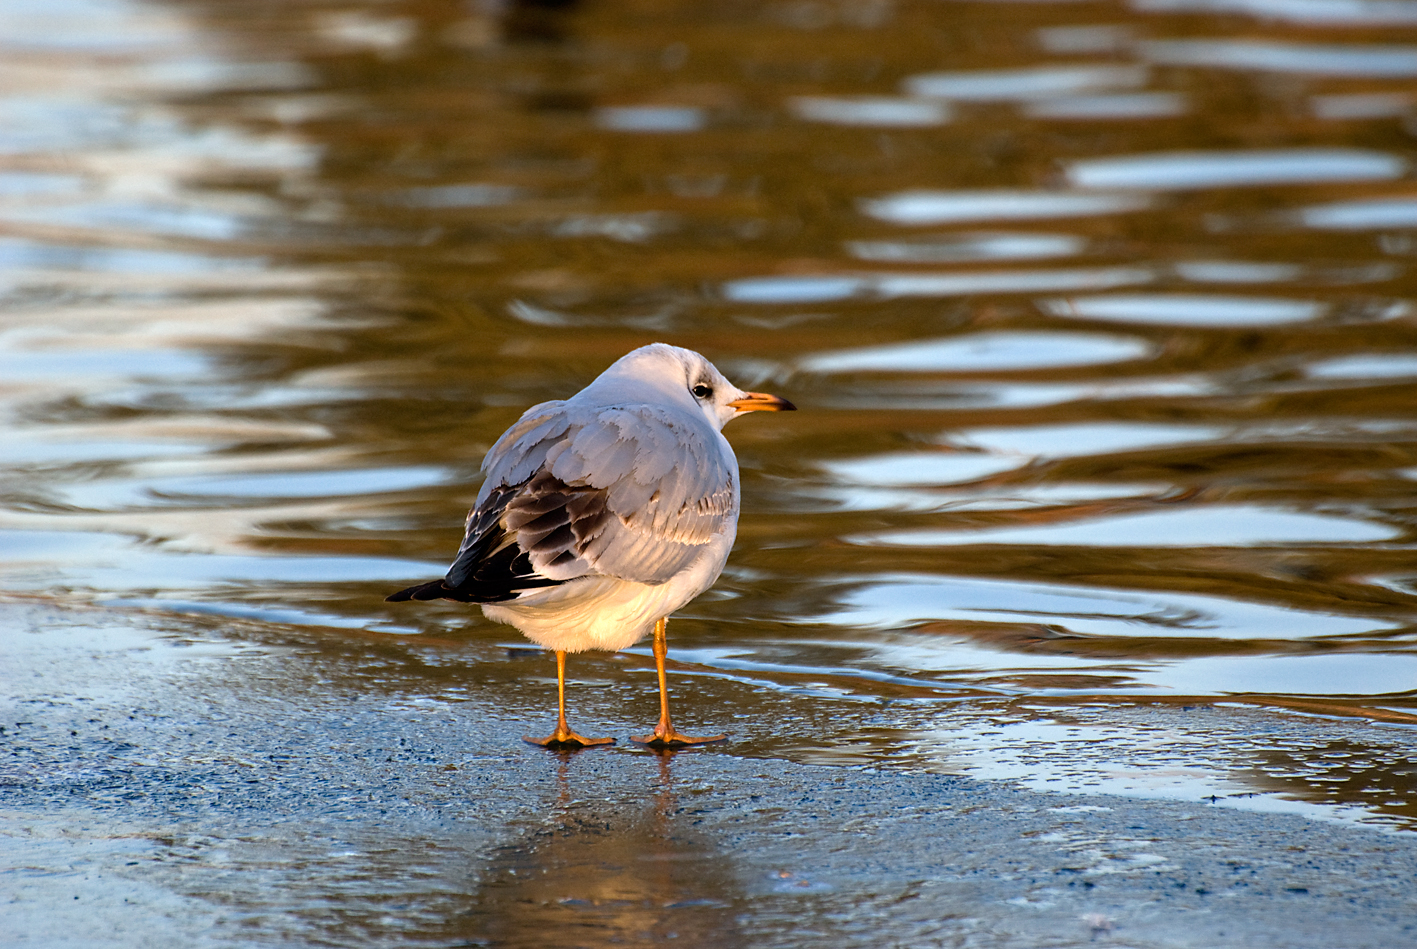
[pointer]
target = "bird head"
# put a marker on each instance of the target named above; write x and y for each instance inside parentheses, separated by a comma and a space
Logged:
(684, 377)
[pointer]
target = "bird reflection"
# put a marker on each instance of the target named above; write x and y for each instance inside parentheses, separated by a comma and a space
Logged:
(630, 872)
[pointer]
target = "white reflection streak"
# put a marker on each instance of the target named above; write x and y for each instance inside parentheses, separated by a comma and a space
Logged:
(1367, 214)
(1188, 170)
(651, 118)
(1236, 271)
(1232, 525)
(1374, 366)
(1007, 281)
(828, 287)
(1359, 12)
(982, 352)
(992, 85)
(1085, 439)
(1187, 309)
(900, 601)
(949, 207)
(919, 469)
(1133, 105)
(1323, 59)
(880, 111)
(968, 247)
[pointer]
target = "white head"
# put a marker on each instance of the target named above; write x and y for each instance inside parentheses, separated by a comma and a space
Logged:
(681, 377)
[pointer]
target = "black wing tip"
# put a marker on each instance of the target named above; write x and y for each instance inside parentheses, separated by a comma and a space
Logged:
(472, 593)
(432, 590)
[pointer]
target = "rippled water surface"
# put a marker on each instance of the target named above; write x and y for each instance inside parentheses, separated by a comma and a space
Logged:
(1100, 317)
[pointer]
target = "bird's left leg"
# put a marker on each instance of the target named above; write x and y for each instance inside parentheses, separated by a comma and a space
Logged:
(563, 736)
(665, 735)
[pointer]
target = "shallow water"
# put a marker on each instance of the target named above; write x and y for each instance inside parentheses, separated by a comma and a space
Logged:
(1099, 316)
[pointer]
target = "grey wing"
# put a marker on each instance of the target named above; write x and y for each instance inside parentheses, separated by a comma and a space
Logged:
(521, 450)
(634, 492)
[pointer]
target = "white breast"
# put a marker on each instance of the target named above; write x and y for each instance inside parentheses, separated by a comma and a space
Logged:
(605, 612)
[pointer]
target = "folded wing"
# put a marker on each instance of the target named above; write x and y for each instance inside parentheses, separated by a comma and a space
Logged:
(633, 492)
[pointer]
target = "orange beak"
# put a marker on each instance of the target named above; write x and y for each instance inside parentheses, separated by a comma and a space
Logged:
(762, 402)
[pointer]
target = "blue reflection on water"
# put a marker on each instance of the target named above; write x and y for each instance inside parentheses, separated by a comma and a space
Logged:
(1221, 525)
(983, 351)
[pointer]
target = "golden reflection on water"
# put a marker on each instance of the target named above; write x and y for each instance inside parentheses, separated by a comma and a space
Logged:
(601, 876)
(1100, 318)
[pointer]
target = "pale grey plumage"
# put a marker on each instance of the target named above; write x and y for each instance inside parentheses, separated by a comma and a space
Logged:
(667, 476)
(604, 513)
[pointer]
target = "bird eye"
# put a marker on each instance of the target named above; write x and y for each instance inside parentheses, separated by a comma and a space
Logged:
(702, 391)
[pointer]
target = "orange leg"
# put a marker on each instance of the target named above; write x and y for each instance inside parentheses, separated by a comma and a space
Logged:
(563, 736)
(665, 735)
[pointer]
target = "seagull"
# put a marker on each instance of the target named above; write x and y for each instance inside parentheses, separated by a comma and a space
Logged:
(602, 514)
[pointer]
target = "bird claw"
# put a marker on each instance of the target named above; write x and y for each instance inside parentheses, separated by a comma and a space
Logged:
(566, 741)
(673, 739)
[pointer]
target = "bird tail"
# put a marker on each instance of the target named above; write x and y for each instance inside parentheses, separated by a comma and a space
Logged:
(432, 590)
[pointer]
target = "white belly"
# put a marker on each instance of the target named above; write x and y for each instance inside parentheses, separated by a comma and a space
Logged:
(605, 612)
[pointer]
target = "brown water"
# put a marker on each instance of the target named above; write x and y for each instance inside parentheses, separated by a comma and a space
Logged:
(1100, 318)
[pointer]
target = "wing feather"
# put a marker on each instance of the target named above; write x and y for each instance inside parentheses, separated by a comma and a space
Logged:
(629, 491)
(521, 451)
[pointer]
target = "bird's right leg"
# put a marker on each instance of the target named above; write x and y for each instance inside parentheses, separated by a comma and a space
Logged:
(665, 734)
(563, 736)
